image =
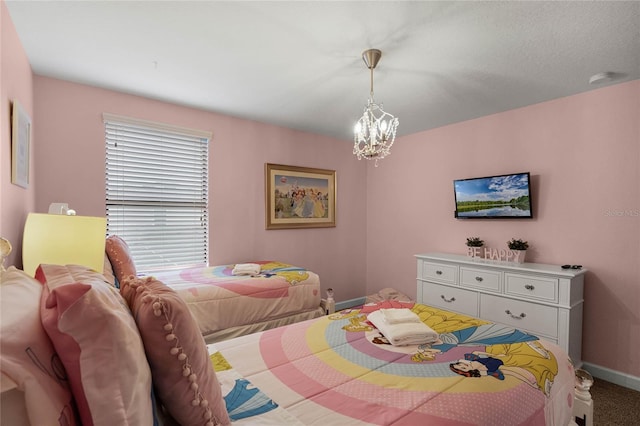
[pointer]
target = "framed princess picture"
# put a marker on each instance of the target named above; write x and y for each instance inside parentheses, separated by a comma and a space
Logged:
(299, 197)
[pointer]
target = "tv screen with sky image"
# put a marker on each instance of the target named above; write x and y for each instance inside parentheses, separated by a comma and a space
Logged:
(494, 197)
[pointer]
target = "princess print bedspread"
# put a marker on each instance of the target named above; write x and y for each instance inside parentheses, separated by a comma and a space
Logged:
(220, 300)
(339, 369)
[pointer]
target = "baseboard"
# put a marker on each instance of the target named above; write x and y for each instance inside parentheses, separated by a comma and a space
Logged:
(346, 304)
(613, 376)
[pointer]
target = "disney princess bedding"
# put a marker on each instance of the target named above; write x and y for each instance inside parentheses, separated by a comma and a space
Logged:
(340, 369)
(236, 299)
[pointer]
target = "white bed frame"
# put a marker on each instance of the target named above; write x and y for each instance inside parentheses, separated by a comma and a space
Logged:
(582, 407)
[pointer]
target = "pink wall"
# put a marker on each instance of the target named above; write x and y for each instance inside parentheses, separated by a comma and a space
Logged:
(583, 153)
(70, 168)
(15, 84)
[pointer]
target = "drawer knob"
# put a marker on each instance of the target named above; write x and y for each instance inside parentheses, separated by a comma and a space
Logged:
(438, 272)
(453, 299)
(479, 279)
(518, 317)
(529, 287)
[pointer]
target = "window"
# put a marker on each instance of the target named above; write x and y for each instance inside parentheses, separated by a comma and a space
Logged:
(157, 180)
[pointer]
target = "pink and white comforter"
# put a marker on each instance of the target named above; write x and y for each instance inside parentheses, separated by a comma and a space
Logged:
(219, 300)
(340, 370)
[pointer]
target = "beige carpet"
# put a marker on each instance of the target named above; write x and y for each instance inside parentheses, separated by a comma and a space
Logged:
(615, 405)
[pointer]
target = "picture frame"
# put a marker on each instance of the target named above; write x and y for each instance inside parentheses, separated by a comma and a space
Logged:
(299, 197)
(20, 145)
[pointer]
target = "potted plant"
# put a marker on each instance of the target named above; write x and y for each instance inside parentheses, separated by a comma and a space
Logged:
(520, 247)
(474, 244)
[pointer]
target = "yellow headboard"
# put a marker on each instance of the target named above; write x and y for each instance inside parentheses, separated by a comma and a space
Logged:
(63, 240)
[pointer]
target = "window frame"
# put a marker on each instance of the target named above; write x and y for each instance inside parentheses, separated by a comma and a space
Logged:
(163, 232)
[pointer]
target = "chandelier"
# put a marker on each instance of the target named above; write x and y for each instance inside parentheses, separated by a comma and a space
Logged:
(375, 131)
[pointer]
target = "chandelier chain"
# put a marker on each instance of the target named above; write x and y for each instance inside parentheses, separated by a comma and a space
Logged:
(371, 85)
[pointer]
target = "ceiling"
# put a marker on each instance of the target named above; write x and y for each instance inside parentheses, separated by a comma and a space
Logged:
(298, 64)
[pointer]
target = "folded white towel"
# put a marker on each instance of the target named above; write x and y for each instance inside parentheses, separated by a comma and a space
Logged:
(410, 333)
(399, 315)
(246, 269)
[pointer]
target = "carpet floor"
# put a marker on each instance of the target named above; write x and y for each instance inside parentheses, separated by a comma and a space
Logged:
(614, 405)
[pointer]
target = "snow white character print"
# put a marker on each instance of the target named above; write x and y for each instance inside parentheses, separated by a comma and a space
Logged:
(527, 361)
(475, 365)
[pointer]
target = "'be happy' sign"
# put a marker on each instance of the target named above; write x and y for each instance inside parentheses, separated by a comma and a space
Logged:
(503, 255)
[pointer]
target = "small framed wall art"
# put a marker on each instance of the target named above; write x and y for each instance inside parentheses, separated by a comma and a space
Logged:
(299, 197)
(20, 143)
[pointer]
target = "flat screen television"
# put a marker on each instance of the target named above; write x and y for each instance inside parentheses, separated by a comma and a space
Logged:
(494, 197)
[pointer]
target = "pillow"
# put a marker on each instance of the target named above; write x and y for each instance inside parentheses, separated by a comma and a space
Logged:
(28, 356)
(183, 376)
(120, 257)
(99, 345)
(107, 271)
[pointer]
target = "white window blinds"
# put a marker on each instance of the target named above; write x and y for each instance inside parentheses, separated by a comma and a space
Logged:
(157, 184)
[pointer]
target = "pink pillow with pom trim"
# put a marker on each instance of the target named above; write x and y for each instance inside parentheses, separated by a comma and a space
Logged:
(107, 271)
(120, 257)
(183, 376)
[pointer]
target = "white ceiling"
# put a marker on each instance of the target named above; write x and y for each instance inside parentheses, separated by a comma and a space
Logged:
(298, 63)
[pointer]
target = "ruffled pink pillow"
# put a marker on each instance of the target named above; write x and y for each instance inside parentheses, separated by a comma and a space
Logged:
(120, 257)
(28, 355)
(98, 342)
(183, 376)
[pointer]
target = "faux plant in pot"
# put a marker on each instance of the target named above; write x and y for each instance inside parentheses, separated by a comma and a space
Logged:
(520, 247)
(474, 244)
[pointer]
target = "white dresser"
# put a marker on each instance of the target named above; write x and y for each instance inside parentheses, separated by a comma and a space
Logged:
(544, 300)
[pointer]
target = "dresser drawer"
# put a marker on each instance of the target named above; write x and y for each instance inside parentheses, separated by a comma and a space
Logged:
(479, 278)
(440, 272)
(521, 315)
(450, 298)
(532, 287)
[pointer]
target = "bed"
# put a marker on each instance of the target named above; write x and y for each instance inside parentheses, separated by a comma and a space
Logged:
(338, 370)
(224, 304)
(227, 305)
(235, 299)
